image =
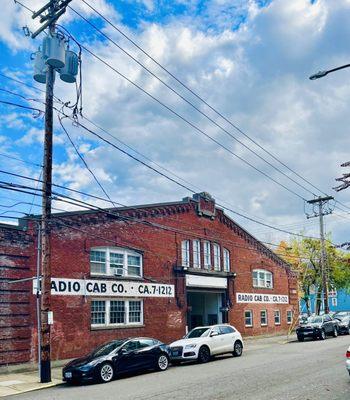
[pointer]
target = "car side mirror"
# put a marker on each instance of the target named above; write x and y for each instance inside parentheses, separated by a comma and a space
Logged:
(214, 334)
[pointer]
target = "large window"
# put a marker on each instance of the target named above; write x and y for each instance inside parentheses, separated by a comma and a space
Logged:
(277, 315)
(263, 317)
(116, 312)
(185, 253)
(207, 255)
(217, 258)
(248, 318)
(226, 260)
(262, 278)
(115, 261)
(196, 253)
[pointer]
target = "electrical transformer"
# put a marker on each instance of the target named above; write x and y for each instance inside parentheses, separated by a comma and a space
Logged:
(54, 50)
(70, 70)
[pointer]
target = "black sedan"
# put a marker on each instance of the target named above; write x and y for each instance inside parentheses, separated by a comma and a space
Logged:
(343, 324)
(318, 326)
(118, 356)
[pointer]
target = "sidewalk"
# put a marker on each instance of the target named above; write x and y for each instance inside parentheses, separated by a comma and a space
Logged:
(23, 378)
(20, 382)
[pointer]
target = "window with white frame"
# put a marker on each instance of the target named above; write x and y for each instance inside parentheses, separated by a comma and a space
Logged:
(226, 260)
(334, 301)
(263, 317)
(289, 316)
(116, 313)
(217, 257)
(248, 318)
(207, 254)
(262, 278)
(277, 315)
(115, 261)
(196, 253)
(185, 253)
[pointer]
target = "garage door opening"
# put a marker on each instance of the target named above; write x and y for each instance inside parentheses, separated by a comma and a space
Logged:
(204, 309)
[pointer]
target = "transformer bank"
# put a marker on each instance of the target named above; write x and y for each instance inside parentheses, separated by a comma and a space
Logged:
(152, 270)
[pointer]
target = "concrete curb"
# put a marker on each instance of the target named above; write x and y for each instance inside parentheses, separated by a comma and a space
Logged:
(14, 391)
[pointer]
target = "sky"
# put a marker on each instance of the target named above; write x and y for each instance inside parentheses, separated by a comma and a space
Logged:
(248, 59)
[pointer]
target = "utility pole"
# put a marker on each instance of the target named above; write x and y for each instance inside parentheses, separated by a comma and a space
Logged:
(321, 202)
(53, 10)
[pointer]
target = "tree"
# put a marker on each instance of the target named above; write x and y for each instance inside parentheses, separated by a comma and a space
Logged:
(305, 257)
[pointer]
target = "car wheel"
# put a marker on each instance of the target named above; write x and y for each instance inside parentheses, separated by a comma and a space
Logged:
(323, 335)
(301, 338)
(335, 332)
(237, 349)
(204, 354)
(106, 373)
(162, 362)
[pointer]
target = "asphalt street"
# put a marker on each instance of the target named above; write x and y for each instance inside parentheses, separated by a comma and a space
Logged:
(268, 370)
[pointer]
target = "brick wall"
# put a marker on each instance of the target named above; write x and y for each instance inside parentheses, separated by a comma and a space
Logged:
(16, 323)
(72, 237)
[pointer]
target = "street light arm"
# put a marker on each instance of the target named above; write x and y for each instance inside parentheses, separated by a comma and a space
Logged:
(321, 74)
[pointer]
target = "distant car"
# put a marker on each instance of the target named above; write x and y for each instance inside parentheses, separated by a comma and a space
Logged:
(118, 356)
(343, 324)
(203, 342)
(347, 355)
(341, 314)
(318, 326)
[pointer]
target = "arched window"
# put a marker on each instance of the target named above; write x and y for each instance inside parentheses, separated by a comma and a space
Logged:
(262, 278)
(115, 261)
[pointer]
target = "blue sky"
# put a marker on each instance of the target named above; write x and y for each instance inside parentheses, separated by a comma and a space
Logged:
(250, 59)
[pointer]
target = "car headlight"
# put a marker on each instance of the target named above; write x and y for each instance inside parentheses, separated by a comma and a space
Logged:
(190, 346)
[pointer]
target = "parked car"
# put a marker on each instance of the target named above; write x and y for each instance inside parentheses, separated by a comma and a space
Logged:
(118, 356)
(341, 314)
(347, 355)
(343, 324)
(318, 326)
(206, 341)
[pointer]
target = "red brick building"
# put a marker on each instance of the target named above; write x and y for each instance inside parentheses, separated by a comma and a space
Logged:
(154, 270)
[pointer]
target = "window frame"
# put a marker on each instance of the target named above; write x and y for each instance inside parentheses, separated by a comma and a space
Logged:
(185, 261)
(121, 251)
(266, 319)
(217, 257)
(334, 301)
(196, 253)
(226, 260)
(279, 317)
(262, 283)
(289, 317)
(251, 318)
(107, 315)
(207, 254)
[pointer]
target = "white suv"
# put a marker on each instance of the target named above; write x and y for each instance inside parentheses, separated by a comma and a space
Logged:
(203, 342)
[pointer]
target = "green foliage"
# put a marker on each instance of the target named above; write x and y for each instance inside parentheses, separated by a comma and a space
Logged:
(305, 257)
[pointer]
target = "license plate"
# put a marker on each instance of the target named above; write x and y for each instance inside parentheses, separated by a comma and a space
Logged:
(68, 375)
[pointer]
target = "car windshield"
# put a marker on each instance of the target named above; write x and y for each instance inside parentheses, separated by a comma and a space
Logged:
(198, 332)
(106, 348)
(315, 320)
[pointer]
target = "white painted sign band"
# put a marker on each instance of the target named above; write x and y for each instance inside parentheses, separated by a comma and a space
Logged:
(262, 298)
(206, 281)
(112, 288)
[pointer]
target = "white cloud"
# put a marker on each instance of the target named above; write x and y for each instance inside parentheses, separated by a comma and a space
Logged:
(256, 75)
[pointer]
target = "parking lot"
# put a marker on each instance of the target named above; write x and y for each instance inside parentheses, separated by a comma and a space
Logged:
(269, 369)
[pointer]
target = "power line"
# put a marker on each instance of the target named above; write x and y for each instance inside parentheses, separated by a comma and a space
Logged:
(189, 102)
(193, 92)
